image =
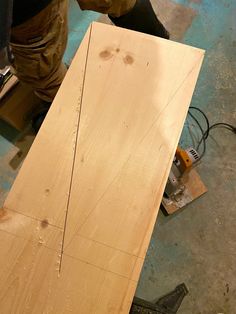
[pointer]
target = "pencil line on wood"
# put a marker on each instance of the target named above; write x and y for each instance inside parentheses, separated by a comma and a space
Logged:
(104, 244)
(103, 268)
(31, 217)
(75, 150)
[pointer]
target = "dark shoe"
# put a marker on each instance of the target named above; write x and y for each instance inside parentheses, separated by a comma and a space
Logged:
(142, 18)
(39, 115)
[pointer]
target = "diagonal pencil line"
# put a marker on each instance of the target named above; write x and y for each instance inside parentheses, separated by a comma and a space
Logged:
(75, 150)
(30, 217)
(100, 267)
(169, 102)
(185, 78)
(141, 140)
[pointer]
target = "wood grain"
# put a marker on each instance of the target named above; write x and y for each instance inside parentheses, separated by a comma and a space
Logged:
(94, 178)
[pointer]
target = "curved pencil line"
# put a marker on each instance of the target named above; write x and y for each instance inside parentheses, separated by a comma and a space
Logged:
(143, 137)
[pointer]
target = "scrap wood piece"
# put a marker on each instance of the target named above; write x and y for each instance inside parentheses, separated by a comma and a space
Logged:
(18, 104)
(193, 189)
(13, 80)
(96, 173)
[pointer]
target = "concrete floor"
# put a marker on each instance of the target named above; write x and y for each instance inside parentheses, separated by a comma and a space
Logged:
(198, 244)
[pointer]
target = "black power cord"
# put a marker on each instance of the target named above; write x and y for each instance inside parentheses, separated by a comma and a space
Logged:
(205, 133)
(203, 137)
(204, 115)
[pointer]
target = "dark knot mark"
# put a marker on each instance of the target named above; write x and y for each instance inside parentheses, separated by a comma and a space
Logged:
(44, 223)
(106, 54)
(128, 59)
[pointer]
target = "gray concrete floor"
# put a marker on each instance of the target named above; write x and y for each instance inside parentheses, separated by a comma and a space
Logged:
(197, 245)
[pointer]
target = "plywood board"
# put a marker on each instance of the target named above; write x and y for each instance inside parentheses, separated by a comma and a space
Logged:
(91, 185)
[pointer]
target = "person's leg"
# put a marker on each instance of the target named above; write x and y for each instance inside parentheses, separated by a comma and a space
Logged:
(137, 15)
(141, 18)
(38, 46)
(113, 7)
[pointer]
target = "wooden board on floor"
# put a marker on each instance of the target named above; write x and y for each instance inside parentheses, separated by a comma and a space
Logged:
(8, 86)
(77, 223)
(194, 188)
(17, 105)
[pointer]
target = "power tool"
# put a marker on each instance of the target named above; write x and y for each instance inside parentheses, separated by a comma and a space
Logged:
(184, 184)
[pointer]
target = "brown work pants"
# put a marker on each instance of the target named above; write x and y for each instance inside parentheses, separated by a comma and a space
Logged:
(38, 46)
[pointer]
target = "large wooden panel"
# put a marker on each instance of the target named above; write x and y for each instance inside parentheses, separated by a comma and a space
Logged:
(77, 223)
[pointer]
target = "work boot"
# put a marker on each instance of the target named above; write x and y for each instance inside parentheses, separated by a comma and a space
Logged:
(39, 115)
(142, 18)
